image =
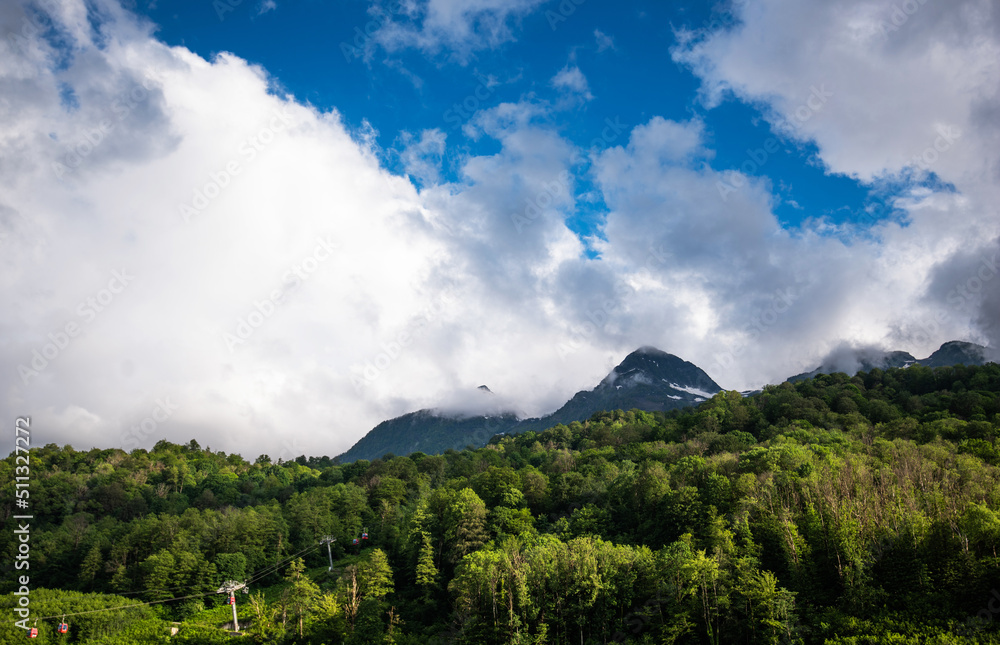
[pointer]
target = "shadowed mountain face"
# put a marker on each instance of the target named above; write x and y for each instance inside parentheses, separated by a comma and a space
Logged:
(648, 379)
(428, 431)
(852, 361)
(956, 352)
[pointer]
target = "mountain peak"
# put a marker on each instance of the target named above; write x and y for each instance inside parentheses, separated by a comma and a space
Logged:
(651, 366)
(956, 351)
(649, 349)
(647, 379)
(851, 360)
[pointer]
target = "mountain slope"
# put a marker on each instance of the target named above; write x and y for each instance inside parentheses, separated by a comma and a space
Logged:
(648, 379)
(956, 352)
(428, 431)
(851, 361)
(854, 360)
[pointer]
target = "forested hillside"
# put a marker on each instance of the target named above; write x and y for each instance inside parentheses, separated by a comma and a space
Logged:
(835, 510)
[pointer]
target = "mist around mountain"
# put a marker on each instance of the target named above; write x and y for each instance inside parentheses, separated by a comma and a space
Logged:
(850, 360)
(961, 353)
(840, 510)
(431, 432)
(647, 379)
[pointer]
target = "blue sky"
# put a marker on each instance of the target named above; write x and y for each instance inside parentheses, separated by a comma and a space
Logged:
(320, 53)
(223, 227)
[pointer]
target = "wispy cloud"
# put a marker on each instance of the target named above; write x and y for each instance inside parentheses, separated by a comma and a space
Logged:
(571, 79)
(604, 41)
(455, 29)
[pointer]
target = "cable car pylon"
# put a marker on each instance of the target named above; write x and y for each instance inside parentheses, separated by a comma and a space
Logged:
(231, 587)
(327, 539)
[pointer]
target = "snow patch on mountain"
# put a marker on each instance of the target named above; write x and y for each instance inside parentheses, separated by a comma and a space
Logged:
(689, 390)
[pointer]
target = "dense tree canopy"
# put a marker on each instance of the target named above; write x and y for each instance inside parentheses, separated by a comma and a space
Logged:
(839, 510)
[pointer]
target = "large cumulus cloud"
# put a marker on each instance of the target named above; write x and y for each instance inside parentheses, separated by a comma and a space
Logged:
(194, 255)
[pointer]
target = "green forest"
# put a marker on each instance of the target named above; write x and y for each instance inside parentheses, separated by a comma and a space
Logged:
(838, 510)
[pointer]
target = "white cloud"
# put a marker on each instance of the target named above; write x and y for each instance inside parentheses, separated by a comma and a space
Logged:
(266, 259)
(358, 298)
(888, 94)
(604, 41)
(884, 94)
(422, 157)
(571, 79)
(459, 28)
(100, 189)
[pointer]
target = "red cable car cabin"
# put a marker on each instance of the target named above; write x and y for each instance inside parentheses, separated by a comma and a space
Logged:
(33, 633)
(232, 600)
(364, 536)
(62, 628)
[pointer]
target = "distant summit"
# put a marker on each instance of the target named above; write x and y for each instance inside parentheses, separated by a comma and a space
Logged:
(648, 379)
(648, 366)
(853, 360)
(428, 431)
(956, 352)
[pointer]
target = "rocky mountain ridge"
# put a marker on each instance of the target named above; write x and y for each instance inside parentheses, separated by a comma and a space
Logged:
(648, 379)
